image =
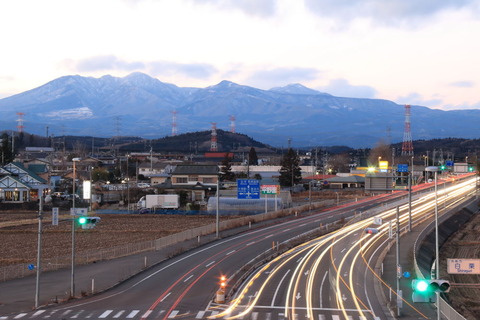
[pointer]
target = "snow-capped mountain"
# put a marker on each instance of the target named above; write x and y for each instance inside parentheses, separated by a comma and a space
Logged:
(139, 105)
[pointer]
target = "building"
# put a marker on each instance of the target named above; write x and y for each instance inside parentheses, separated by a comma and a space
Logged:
(19, 184)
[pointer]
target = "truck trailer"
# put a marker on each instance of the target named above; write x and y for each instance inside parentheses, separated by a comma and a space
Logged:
(159, 201)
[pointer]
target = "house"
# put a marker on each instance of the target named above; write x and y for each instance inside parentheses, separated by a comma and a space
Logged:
(197, 180)
(19, 184)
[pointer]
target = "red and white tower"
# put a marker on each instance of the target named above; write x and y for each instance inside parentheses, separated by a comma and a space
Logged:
(20, 125)
(174, 123)
(407, 146)
(232, 124)
(213, 142)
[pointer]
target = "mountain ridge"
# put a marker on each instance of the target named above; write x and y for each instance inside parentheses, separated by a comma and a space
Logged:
(139, 105)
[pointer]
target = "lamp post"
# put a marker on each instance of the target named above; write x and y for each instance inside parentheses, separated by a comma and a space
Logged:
(39, 245)
(72, 277)
(437, 256)
(217, 219)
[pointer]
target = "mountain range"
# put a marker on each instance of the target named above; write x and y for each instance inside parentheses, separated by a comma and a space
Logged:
(139, 105)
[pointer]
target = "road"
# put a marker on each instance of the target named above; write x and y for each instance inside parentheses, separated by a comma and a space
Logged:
(329, 277)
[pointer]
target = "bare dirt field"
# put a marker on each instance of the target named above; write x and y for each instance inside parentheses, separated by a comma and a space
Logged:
(18, 242)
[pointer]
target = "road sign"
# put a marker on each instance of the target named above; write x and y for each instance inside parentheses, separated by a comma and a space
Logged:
(270, 188)
(248, 189)
(449, 163)
(377, 220)
(463, 266)
(55, 216)
(31, 266)
(79, 211)
(402, 167)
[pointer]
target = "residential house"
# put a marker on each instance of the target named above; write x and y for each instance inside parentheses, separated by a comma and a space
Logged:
(19, 184)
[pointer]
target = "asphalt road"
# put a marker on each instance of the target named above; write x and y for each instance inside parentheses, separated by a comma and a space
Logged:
(322, 279)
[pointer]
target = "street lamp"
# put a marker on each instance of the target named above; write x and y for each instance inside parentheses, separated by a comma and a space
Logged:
(437, 256)
(72, 278)
(39, 244)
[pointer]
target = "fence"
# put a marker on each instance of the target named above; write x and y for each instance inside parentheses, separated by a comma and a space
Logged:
(22, 270)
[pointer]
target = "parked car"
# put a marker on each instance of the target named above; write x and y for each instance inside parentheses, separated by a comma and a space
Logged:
(143, 185)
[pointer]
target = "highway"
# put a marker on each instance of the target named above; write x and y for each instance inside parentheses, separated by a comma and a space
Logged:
(328, 277)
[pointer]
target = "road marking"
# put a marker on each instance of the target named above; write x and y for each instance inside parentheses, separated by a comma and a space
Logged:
(321, 317)
(191, 276)
(3, 318)
(335, 317)
(20, 315)
(105, 314)
(133, 314)
(254, 315)
(146, 314)
(208, 265)
(173, 314)
(119, 314)
(343, 250)
(249, 244)
(270, 235)
(77, 314)
(268, 316)
(66, 312)
(165, 296)
(39, 312)
(229, 253)
(200, 315)
(286, 230)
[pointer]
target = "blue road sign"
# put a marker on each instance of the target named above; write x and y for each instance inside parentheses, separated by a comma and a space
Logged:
(402, 167)
(31, 266)
(449, 163)
(248, 189)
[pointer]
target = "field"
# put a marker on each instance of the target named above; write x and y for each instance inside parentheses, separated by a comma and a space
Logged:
(19, 241)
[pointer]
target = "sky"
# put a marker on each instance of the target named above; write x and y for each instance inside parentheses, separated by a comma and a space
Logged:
(418, 52)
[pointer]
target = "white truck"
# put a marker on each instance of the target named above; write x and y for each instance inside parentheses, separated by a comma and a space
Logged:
(159, 201)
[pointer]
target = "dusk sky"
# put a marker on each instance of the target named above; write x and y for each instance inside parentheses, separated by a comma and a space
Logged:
(420, 52)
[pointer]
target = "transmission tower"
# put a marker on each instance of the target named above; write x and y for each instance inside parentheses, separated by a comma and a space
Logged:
(213, 142)
(232, 124)
(407, 146)
(174, 122)
(20, 125)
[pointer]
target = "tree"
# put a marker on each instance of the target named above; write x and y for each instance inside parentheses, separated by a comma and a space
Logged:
(226, 169)
(252, 157)
(290, 172)
(6, 150)
(381, 152)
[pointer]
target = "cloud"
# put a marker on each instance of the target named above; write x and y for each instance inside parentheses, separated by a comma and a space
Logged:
(106, 62)
(342, 88)
(281, 76)
(385, 11)
(263, 8)
(415, 98)
(463, 84)
(154, 68)
(192, 70)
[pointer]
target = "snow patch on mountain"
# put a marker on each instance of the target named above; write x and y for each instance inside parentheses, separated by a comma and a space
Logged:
(67, 114)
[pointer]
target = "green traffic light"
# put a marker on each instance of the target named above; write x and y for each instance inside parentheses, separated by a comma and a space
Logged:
(82, 220)
(421, 285)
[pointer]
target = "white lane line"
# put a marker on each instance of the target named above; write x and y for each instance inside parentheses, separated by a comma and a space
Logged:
(229, 253)
(133, 314)
(105, 314)
(249, 244)
(20, 315)
(165, 297)
(278, 287)
(208, 265)
(321, 288)
(146, 314)
(343, 250)
(39, 312)
(200, 315)
(191, 276)
(270, 235)
(119, 313)
(173, 314)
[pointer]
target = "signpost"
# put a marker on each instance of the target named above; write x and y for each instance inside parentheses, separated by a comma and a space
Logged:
(402, 167)
(55, 216)
(248, 189)
(270, 189)
(463, 266)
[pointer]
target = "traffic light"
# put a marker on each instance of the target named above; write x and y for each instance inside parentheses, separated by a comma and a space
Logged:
(470, 169)
(443, 167)
(424, 290)
(88, 222)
